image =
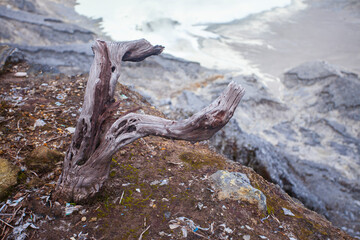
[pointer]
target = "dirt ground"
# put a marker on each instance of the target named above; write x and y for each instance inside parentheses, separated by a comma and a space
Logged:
(157, 188)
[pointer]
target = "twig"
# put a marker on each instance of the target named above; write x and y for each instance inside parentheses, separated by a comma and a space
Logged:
(150, 148)
(3, 206)
(122, 195)
(14, 214)
(7, 119)
(52, 109)
(198, 234)
(5, 233)
(34, 173)
(52, 139)
(144, 232)
(6, 223)
(17, 153)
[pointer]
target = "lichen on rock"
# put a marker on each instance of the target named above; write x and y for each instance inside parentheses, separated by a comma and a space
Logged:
(236, 186)
(8, 177)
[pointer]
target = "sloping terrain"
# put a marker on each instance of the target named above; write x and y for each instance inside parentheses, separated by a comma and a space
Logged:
(157, 188)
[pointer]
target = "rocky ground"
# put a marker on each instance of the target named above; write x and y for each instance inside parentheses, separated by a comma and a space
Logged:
(157, 188)
(306, 141)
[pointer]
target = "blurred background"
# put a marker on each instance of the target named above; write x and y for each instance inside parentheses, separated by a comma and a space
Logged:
(299, 122)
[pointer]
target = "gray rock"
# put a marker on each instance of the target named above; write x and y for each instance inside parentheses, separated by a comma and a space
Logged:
(339, 89)
(49, 28)
(25, 5)
(341, 94)
(167, 77)
(285, 129)
(236, 186)
(310, 72)
(69, 59)
(190, 103)
(288, 212)
(48, 35)
(310, 137)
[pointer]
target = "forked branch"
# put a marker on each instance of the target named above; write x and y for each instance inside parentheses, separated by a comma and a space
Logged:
(87, 162)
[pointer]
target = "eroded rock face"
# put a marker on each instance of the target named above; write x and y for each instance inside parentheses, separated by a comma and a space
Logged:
(311, 147)
(236, 186)
(43, 159)
(336, 88)
(8, 176)
(49, 34)
(307, 141)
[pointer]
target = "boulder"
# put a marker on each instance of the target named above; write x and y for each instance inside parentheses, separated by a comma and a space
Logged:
(43, 159)
(334, 87)
(310, 72)
(236, 186)
(8, 177)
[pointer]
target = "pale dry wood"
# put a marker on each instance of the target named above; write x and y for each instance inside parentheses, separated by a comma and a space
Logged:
(96, 139)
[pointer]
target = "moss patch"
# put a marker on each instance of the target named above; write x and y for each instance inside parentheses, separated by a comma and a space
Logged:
(198, 160)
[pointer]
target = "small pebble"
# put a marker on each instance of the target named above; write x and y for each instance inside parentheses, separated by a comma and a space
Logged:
(70, 129)
(20, 74)
(167, 215)
(246, 237)
(250, 228)
(288, 212)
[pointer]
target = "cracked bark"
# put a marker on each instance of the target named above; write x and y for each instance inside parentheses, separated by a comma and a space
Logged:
(87, 162)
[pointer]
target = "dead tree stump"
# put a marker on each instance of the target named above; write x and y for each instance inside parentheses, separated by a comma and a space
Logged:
(87, 162)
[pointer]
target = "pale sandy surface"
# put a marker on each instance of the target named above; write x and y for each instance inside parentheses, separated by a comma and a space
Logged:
(322, 30)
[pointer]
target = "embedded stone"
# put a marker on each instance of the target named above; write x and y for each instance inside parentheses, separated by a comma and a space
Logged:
(43, 159)
(8, 177)
(236, 186)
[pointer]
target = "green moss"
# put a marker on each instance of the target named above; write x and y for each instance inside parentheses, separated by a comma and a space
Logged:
(307, 228)
(112, 174)
(270, 209)
(21, 177)
(106, 208)
(198, 160)
(128, 172)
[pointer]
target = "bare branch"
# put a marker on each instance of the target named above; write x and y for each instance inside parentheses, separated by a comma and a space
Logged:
(87, 161)
(201, 126)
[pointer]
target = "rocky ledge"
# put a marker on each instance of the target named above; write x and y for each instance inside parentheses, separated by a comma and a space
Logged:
(157, 188)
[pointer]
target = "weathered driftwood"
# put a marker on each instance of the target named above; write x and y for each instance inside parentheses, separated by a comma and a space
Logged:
(87, 161)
